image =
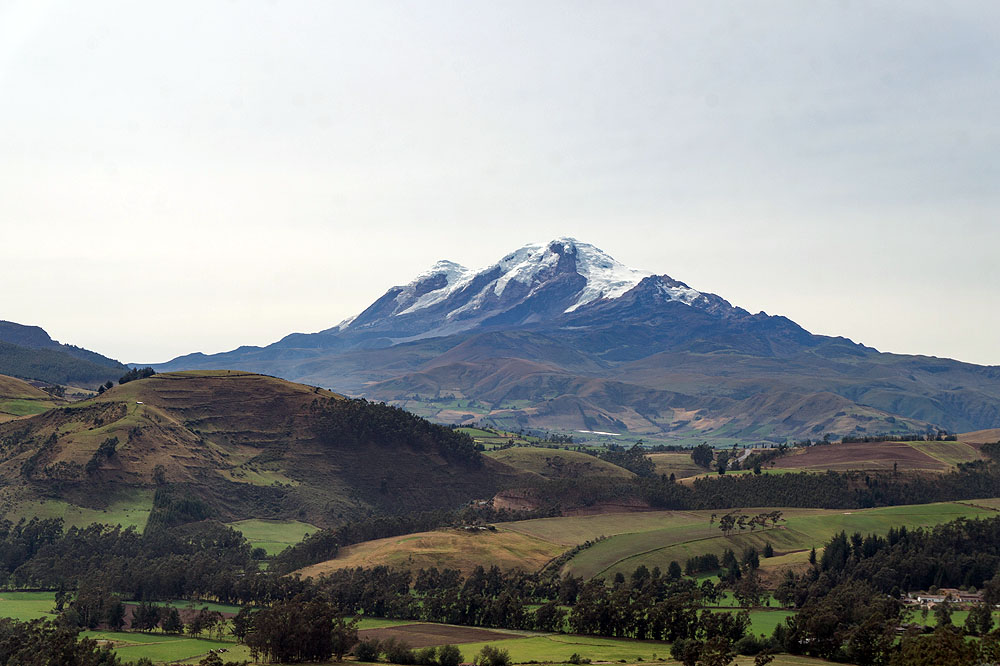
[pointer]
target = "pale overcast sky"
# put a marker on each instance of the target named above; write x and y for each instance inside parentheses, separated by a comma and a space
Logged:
(194, 176)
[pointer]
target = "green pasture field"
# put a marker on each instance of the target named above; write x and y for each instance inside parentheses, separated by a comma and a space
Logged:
(559, 648)
(26, 606)
(993, 502)
(128, 511)
(273, 535)
(764, 621)
(957, 617)
(572, 530)
(380, 622)
(950, 453)
(161, 648)
(801, 531)
(677, 463)
(23, 407)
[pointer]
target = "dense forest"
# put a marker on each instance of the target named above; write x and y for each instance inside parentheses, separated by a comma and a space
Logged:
(53, 365)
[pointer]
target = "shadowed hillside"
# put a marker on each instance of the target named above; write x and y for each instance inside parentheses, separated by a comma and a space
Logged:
(29, 352)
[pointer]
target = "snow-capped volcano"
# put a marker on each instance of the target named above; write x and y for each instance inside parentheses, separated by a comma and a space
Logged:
(538, 282)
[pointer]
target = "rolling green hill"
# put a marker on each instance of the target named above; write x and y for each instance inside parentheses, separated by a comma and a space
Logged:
(19, 398)
(241, 446)
(624, 541)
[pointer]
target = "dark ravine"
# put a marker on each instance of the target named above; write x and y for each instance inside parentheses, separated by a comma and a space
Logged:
(562, 336)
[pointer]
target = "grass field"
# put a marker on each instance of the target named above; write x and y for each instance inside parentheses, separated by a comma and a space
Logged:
(950, 453)
(801, 531)
(572, 530)
(273, 535)
(131, 510)
(19, 398)
(558, 648)
(26, 606)
(559, 464)
(445, 548)
(23, 407)
(653, 539)
(677, 463)
(163, 648)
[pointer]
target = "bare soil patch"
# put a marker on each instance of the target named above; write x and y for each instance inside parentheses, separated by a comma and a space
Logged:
(861, 456)
(424, 634)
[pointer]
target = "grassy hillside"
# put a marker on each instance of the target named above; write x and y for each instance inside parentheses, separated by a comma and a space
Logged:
(623, 541)
(803, 529)
(558, 464)
(273, 535)
(451, 548)
(981, 436)
(245, 446)
(18, 398)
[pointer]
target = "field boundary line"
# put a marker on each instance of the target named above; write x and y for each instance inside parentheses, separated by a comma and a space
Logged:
(679, 543)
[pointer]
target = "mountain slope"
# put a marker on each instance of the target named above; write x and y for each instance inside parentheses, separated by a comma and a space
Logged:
(29, 352)
(246, 446)
(560, 335)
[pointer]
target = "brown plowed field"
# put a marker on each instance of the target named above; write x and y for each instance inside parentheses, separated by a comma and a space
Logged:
(861, 456)
(424, 634)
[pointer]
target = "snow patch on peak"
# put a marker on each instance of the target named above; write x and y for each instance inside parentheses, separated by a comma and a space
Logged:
(450, 269)
(524, 265)
(606, 277)
(432, 286)
(677, 291)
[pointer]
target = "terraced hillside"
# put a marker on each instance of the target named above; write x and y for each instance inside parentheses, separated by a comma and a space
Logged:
(558, 464)
(447, 548)
(694, 533)
(621, 542)
(245, 446)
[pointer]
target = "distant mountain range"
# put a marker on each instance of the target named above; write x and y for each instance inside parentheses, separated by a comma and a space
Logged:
(562, 336)
(29, 353)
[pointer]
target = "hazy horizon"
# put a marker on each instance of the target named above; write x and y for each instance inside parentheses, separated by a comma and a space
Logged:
(203, 176)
